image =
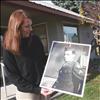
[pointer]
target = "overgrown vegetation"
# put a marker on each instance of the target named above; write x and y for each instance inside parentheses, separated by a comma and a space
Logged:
(73, 5)
(92, 89)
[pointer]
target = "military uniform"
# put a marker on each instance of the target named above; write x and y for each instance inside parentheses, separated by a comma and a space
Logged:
(68, 77)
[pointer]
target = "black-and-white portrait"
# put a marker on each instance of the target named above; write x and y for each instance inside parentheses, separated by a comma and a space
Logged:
(66, 68)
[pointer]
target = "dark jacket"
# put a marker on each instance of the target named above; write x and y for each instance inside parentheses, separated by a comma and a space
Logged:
(64, 80)
(69, 77)
(25, 70)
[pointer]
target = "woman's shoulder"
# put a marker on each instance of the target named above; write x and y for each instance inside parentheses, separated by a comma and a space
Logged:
(34, 36)
(7, 52)
(7, 55)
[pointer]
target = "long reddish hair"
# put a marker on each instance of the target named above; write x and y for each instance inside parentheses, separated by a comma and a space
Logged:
(13, 35)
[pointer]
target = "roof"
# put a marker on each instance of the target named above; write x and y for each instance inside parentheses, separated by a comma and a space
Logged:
(51, 8)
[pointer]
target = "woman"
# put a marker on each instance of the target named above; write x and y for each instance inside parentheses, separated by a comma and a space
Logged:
(24, 57)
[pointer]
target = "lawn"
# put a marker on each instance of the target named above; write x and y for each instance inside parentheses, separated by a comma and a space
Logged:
(92, 89)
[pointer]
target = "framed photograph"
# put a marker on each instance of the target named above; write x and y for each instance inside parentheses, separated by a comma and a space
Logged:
(66, 68)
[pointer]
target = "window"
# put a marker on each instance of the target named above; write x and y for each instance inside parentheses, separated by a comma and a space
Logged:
(70, 33)
(40, 30)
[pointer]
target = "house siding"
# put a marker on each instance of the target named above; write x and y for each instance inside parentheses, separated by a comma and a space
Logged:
(85, 34)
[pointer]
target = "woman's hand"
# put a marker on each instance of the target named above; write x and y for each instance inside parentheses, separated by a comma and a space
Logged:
(46, 92)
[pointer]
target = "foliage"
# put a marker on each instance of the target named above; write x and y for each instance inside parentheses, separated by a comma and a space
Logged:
(68, 4)
(88, 8)
(73, 5)
(92, 90)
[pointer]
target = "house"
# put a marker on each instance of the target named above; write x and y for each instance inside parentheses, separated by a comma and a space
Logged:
(50, 22)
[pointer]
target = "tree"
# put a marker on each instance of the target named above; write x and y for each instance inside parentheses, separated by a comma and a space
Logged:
(73, 5)
(91, 10)
(68, 4)
(88, 8)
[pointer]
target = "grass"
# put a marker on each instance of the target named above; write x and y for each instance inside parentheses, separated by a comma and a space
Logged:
(92, 89)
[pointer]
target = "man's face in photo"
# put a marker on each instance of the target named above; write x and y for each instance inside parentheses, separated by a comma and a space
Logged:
(69, 55)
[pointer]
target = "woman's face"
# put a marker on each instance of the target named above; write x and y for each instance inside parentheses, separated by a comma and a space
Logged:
(69, 56)
(26, 27)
